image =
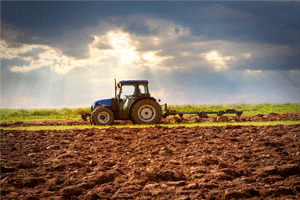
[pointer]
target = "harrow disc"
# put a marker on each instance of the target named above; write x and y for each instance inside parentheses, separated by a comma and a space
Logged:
(222, 119)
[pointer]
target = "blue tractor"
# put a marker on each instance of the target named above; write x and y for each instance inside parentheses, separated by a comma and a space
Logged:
(132, 101)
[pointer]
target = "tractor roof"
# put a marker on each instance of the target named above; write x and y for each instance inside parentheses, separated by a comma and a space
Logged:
(133, 81)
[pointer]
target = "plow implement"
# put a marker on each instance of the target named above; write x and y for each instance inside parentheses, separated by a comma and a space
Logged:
(203, 114)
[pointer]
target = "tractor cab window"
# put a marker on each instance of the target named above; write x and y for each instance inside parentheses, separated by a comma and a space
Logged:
(143, 89)
(127, 95)
(127, 91)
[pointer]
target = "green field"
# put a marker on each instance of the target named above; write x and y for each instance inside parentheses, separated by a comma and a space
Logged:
(7, 115)
(41, 114)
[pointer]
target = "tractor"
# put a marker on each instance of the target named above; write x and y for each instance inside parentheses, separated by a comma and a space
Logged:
(132, 101)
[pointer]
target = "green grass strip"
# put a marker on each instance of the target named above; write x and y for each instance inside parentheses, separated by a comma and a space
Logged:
(7, 115)
(203, 124)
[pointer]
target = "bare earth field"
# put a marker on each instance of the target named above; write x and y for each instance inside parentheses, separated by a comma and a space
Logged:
(228, 162)
(252, 118)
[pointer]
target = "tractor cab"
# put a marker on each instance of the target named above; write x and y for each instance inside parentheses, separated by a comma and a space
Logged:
(129, 91)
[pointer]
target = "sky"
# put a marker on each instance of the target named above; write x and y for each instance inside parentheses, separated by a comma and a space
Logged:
(58, 54)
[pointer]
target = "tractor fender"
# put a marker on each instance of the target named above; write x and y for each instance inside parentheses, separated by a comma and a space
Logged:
(112, 105)
(131, 106)
(109, 107)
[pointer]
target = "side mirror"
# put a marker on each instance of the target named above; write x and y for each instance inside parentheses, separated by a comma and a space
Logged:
(159, 100)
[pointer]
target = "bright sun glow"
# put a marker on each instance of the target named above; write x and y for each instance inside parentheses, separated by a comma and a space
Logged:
(219, 62)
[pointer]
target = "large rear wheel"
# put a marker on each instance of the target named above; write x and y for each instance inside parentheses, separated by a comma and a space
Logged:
(102, 116)
(146, 111)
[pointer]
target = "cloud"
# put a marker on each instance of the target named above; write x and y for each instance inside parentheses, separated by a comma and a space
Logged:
(219, 11)
(219, 62)
(13, 36)
(121, 54)
(44, 56)
(253, 71)
(117, 50)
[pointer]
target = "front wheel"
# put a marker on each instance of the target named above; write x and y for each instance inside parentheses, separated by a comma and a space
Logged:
(146, 111)
(102, 116)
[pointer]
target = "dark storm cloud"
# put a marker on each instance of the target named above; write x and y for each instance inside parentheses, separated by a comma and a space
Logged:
(15, 37)
(267, 22)
(73, 44)
(284, 63)
(69, 25)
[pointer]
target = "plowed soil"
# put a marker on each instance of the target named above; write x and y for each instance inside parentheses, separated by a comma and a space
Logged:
(229, 162)
(258, 117)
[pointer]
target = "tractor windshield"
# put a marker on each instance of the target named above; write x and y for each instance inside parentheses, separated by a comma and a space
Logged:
(127, 91)
(127, 94)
